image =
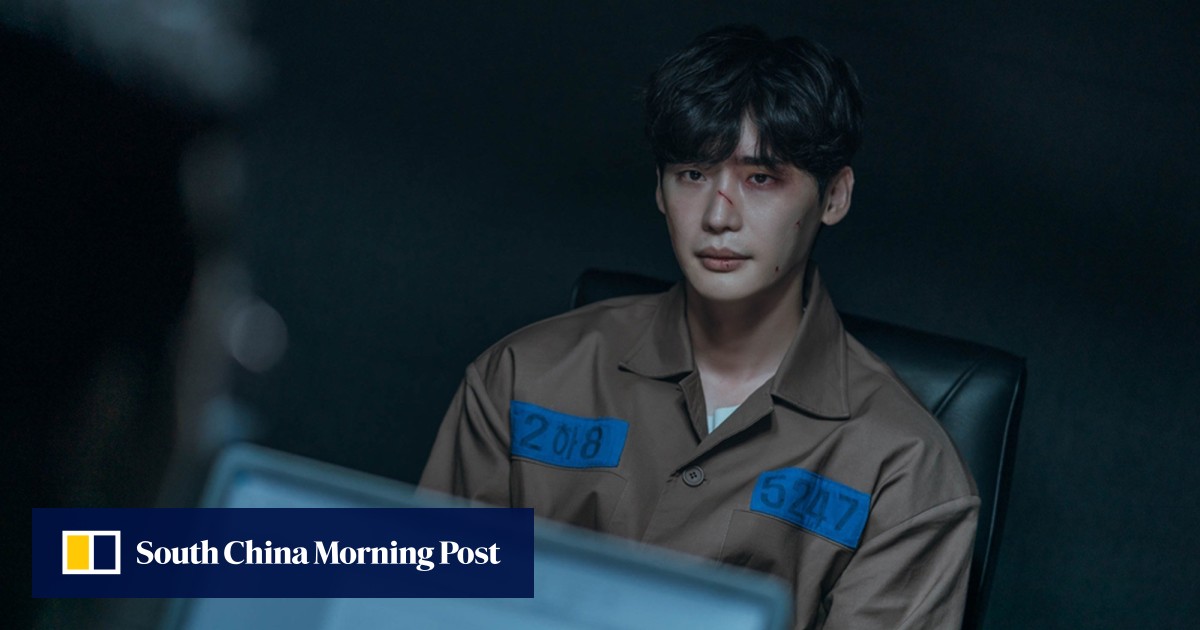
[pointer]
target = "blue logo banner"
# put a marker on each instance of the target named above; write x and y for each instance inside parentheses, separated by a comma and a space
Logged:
(259, 552)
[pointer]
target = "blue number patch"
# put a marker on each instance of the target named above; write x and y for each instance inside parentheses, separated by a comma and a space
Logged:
(819, 505)
(560, 439)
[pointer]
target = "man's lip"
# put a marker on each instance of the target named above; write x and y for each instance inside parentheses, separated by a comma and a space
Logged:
(721, 253)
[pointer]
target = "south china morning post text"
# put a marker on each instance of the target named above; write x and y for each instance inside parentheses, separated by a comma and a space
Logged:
(321, 552)
(253, 552)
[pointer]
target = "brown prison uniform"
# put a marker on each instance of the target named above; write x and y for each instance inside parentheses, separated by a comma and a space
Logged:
(830, 476)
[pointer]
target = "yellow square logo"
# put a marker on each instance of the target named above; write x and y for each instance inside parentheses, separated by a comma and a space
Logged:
(91, 552)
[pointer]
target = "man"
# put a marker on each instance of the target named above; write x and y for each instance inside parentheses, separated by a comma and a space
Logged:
(732, 417)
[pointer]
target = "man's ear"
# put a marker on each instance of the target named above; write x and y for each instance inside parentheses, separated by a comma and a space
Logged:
(658, 194)
(837, 196)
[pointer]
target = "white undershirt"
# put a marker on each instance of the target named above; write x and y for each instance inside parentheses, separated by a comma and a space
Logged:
(719, 415)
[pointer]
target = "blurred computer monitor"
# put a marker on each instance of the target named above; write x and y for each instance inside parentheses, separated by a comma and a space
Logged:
(582, 579)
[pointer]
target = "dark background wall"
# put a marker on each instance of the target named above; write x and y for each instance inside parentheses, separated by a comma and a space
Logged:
(430, 176)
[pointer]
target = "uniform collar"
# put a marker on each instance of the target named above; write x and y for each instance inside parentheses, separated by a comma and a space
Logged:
(664, 351)
(812, 376)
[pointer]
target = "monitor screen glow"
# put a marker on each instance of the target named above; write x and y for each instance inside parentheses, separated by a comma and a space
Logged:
(582, 580)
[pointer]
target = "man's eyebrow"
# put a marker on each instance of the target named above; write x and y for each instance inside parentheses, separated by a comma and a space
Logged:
(754, 160)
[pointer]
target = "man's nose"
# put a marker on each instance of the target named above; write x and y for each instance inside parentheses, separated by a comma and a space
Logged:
(723, 213)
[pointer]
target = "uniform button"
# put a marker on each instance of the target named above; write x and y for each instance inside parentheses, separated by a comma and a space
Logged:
(693, 476)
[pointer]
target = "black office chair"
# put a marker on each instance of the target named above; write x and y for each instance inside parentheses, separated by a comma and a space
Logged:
(975, 391)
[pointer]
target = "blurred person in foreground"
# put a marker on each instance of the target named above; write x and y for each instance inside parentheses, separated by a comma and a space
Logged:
(117, 178)
(732, 417)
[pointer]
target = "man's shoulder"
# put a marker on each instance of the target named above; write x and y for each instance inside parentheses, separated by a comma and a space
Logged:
(874, 386)
(888, 413)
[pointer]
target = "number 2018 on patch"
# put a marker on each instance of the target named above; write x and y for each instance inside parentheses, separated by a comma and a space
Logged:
(564, 440)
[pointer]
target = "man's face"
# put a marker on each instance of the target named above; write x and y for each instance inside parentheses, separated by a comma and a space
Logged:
(741, 228)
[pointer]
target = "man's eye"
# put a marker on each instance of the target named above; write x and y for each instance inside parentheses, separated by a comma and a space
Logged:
(761, 178)
(691, 175)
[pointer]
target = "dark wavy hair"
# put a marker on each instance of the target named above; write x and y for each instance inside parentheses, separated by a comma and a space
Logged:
(804, 102)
